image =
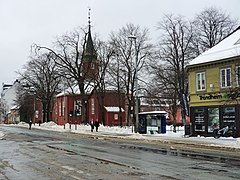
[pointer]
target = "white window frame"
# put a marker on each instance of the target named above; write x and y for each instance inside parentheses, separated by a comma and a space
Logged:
(60, 108)
(77, 106)
(115, 117)
(238, 75)
(224, 84)
(92, 105)
(201, 81)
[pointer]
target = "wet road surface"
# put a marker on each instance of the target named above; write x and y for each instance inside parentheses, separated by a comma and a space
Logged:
(36, 154)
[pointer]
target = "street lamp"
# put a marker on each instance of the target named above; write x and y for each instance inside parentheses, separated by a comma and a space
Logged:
(134, 38)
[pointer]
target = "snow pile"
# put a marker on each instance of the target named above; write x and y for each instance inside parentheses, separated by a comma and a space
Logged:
(22, 123)
(49, 124)
(238, 142)
(85, 128)
(1, 134)
(116, 129)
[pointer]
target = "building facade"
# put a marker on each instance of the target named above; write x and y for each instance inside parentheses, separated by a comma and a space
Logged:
(214, 82)
(8, 97)
(68, 109)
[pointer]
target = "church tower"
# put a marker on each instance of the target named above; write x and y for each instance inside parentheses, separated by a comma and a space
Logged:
(90, 62)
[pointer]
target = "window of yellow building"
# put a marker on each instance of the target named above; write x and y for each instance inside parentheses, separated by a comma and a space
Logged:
(201, 81)
(225, 76)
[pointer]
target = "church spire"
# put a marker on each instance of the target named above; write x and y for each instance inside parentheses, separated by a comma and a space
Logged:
(89, 51)
(89, 18)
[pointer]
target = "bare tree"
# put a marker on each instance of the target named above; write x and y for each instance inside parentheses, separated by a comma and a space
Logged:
(25, 101)
(164, 86)
(174, 54)
(105, 53)
(211, 26)
(117, 79)
(131, 58)
(75, 55)
(41, 78)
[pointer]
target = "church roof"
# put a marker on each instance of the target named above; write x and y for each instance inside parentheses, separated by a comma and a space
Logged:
(227, 48)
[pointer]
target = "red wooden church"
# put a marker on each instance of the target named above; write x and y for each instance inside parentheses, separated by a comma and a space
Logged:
(109, 110)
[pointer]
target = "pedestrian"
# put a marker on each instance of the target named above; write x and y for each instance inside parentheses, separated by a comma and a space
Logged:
(92, 125)
(39, 122)
(96, 125)
(30, 124)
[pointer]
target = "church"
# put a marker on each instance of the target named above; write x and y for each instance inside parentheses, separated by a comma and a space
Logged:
(106, 107)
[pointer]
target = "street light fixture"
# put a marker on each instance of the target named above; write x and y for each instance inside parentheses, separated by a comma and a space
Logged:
(134, 38)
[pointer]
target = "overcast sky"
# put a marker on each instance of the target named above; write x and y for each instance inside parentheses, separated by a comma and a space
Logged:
(24, 22)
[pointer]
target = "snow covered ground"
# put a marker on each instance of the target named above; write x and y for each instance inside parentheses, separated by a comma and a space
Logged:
(1, 134)
(127, 133)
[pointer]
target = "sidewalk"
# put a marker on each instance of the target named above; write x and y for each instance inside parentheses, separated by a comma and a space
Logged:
(179, 139)
(126, 133)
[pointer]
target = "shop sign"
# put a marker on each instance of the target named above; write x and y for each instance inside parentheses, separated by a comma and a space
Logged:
(229, 95)
(210, 96)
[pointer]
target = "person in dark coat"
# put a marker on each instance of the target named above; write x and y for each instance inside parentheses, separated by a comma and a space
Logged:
(30, 124)
(92, 125)
(96, 125)
(39, 122)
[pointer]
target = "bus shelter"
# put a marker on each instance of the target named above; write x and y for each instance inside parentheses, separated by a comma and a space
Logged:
(152, 122)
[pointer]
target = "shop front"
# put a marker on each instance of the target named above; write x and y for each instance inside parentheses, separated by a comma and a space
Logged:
(206, 118)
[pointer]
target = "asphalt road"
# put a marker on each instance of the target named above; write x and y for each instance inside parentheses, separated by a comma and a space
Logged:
(37, 154)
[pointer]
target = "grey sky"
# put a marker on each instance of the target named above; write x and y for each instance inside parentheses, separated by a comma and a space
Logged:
(24, 22)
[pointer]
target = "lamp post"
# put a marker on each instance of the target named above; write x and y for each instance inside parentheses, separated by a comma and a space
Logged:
(134, 38)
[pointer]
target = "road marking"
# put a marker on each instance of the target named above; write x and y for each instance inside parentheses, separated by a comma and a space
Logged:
(80, 172)
(68, 168)
(70, 175)
(75, 177)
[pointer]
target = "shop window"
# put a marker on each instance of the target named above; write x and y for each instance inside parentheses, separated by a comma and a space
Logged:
(213, 119)
(199, 119)
(201, 81)
(225, 76)
(229, 117)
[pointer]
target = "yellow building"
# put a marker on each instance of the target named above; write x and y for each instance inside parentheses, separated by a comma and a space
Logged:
(214, 83)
